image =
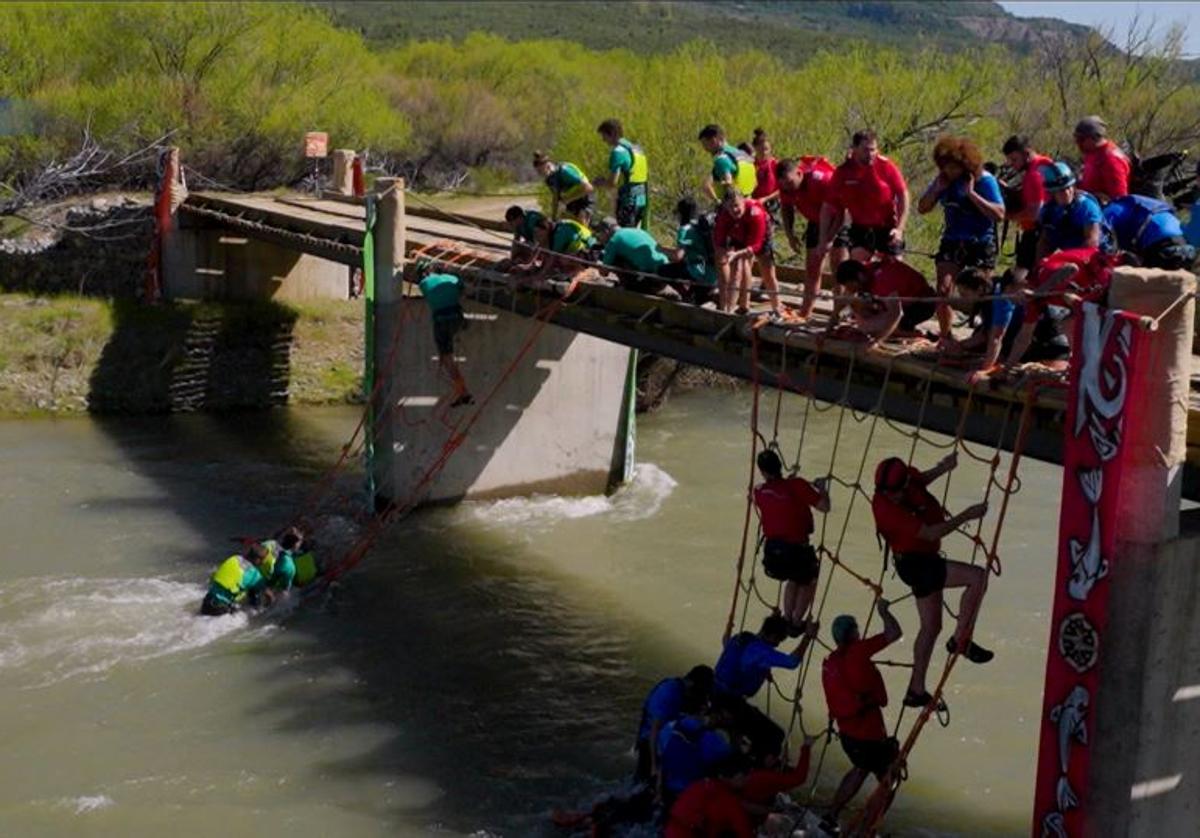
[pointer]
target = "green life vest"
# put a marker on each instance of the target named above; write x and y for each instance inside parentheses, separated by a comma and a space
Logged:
(306, 569)
(745, 178)
(583, 237)
(268, 564)
(572, 192)
(639, 170)
(229, 575)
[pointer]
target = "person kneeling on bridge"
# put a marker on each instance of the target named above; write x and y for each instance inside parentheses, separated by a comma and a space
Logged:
(572, 249)
(237, 581)
(912, 524)
(744, 666)
(998, 321)
(634, 256)
(693, 259)
(891, 298)
(670, 699)
(442, 292)
(856, 696)
(531, 237)
(785, 506)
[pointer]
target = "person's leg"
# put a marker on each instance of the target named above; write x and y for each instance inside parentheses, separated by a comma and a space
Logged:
(743, 285)
(946, 272)
(846, 790)
(929, 611)
(766, 267)
(790, 589)
(802, 601)
(974, 578)
(813, 262)
(725, 276)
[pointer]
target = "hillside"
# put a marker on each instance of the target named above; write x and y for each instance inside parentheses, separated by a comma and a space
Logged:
(779, 26)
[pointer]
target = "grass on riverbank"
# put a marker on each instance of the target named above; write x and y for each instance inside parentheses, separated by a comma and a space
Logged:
(69, 354)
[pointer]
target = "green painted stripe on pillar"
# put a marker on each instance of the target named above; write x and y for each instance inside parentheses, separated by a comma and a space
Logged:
(369, 371)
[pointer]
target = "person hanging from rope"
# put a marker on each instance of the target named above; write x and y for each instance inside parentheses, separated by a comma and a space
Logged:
(971, 200)
(693, 258)
(442, 292)
(912, 523)
(856, 695)
(668, 700)
(997, 316)
(628, 172)
(869, 190)
(732, 167)
(1105, 166)
(1026, 204)
(569, 187)
(742, 237)
(803, 186)
(635, 257)
(1149, 228)
(237, 582)
(785, 506)
(531, 235)
(744, 666)
(878, 287)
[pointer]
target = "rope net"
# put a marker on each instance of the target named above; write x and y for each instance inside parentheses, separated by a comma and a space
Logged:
(844, 472)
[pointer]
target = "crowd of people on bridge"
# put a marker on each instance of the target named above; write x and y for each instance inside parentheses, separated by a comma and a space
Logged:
(1072, 228)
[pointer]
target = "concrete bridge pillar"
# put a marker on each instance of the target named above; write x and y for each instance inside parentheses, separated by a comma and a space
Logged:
(384, 299)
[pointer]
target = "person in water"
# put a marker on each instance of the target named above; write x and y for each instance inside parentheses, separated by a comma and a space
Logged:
(912, 523)
(785, 506)
(669, 699)
(238, 581)
(442, 292)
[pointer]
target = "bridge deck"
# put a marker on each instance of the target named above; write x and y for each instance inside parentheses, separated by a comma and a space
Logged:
(908, 386)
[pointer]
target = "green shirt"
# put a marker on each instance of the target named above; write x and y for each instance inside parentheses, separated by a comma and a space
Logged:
(565, 178)
(634, 248)
(441, 291)
(724, 165)
(527, 229)
(697, 254)
(620, 161)
(567, 238)
(284, 573)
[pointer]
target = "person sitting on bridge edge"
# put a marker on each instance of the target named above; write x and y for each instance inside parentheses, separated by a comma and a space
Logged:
(1071, 219)
(442, 292)
(741, 237)
(997, 315)
(889, 297)
(628, 172)
(237, 581)
(634, 256)
(785, 506)
(693, 259)
(531, 235)
(912, 524)
(732, 167)
(856, 695)
(669, 699)
(1149, 228)
(1105, 167)
(1026, 199)
(868, 189)
(744, 666)
(569, 186)
(803, 185)
(971, 200)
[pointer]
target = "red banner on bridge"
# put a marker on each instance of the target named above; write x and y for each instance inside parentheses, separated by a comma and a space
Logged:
(1099, 416)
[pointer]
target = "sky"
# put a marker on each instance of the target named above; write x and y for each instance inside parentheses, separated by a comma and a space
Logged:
(1117, 14)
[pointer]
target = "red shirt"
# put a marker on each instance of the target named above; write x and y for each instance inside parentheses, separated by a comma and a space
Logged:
(1033, 186)
(708, 808)
(854, 689)
(869, 193)
(813, 191)
(748, 231)
(763, 784)
(1105, 171)
(900, 522)
(767, 184)
(785, 508)
(1095, 273)
(893, 278)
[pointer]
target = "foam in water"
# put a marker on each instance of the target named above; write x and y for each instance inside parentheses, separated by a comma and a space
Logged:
(87, 803)
(52, 629)
(641, 498)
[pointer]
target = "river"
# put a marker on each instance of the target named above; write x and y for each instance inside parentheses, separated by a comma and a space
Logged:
(484, 665)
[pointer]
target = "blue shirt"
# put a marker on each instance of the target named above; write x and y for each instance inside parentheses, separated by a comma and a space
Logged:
(1191, 230)
(440, 291)
(1139, 222)
(746, 662)
(1065, 225)
(997, 314)
(663, 704)
(964, 220)
(689, 751)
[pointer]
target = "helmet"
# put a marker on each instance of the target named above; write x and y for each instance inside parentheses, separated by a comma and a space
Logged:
(844, 625)
(891, 474)
(1057, 176)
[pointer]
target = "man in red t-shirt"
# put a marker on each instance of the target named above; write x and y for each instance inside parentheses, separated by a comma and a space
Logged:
(803, 188)
(1065, 278)
(785, 506)
(856, 696)
(891, 296)
(912, 523)
(1021, 157)
(742, 236)
(1105, 166)
(869, 189)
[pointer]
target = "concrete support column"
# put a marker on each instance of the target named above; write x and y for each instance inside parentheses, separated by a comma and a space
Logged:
(384, 318)
(343, 171)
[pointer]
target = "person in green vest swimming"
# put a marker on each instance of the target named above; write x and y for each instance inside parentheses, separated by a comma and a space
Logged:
(442, 292)
(731, 166)
(569, 187)
(628, 172)
(237, 581)
(635, 257)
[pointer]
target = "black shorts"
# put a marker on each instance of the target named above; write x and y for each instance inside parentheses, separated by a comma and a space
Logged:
(1026, 249)
(925, 573)
(873, 755)
(874, 239)
(587, 202)
(812, 236)
(213, 607)
(788, 561)
(445, 326)
(914, 314)
(968, 254)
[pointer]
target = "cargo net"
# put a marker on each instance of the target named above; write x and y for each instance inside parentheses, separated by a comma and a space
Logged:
(847, 470)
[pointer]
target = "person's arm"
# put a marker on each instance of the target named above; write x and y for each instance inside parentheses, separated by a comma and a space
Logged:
(756, 235)
(1044, 247)
(1091, 235)
(934, 532)
(587, 186)
(1028, 214)
(821, 487)
(787, 214)
(995, 342)
(944, 466)
(929, 198)
(902, 202)
(993, 209)
(1021, 343)
(893, 312)
(655, 729)
(891, 626)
